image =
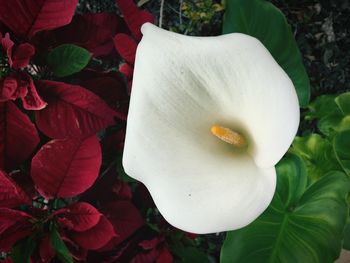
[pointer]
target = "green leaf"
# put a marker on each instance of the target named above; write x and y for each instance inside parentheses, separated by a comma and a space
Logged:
(304, 222)
(341, 146)
(346, 244)
(22, 251)
(60, 247)
(68, 59)
(332, 112)
(318, 154)
(262, 20)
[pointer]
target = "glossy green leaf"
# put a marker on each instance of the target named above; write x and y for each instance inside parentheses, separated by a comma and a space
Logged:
(304, 222)
(68, 59)
(318, 154)
(346, 242)
(60, 247)
(332, 112)
(341, 146)
(262, 20)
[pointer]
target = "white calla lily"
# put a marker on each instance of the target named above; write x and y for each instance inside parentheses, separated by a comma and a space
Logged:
(185, 89)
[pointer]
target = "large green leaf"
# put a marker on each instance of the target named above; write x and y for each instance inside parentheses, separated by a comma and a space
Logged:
(304, 223)
(68, 59)
(318, 154)
(332, 112)
(341, 146)
(261, 19)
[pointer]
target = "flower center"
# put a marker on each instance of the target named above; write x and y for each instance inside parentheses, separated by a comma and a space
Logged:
(229, 136)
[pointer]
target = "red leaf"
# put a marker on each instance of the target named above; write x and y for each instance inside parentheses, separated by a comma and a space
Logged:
(32, 100)
(109, 87)
(72, 111)
(83, 216)
(26, 17)
(134, 17)
(91, 31)
(146, 257)
(18, 135)
(21, 56)
(125, 218)
(96, 237)
(126, 47)
(66, 168)
(10, 217)
(165, 256)
(13, 234)
(11, 195)
(122, 190)
(150, 244)
(127, 70)
(46, 251)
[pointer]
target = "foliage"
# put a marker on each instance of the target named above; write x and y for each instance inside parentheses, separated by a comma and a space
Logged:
(64, 94)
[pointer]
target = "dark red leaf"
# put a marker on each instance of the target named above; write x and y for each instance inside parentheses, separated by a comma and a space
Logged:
(32, 100)
(18, 136)
(146, 257)
(10, 217)
(127, 70)
(96, 237)
(9, 89)
(150, 244)
(67, 167)
(165, 256)
(26, 17)
(11, 195)
(46, 251)
(134, 17)
(125, 218)
(21, 56)
(13, 234)
(122, 190)
(111, 89)
(72, 111)
(126, 47)
(83, 216)
(93, 32)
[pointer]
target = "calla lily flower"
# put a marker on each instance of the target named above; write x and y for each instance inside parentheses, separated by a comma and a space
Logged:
(209, 118)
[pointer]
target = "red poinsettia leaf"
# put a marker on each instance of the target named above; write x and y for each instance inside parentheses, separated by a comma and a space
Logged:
(6, 260)
(134, 17)
(8, 88)
(26, 17)
(150, 244)
(126, 47)
(7, 45)
(11, 195)
(127, 70)
(146, 257)
(32, 100)
(18, 136)
(72, 111)
(111, 89)
(21, 56)
(13, 234)
(46, 251)
(125, 218)
(165, 256)
(67, 167)
(122, 190)
(93, 32)
(82, 216)
(95, 237)
(10, 217)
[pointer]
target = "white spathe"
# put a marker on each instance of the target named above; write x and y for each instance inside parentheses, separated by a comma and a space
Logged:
(183, 86)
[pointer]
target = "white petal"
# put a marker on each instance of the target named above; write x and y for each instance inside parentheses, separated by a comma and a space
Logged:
(184, 85)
